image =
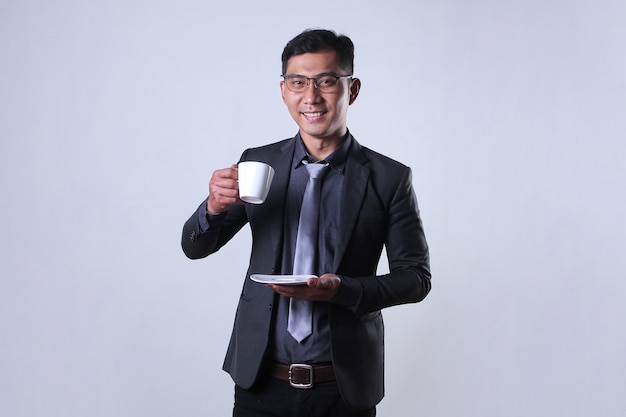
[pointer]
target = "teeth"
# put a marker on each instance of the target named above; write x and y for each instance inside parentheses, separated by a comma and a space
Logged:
(318, 114)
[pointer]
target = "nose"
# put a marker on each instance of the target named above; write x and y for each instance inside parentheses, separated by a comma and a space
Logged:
(312, 92)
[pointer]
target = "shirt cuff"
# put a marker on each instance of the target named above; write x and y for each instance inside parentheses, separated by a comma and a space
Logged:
(207, 220)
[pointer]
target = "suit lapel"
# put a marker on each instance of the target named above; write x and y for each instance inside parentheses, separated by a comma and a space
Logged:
(354, 187)
(274, 206)
(355, 184)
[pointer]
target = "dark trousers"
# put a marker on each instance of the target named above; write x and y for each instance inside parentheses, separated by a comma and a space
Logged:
(273, 397)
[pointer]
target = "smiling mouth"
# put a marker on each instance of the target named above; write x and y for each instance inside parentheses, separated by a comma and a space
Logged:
(316, 114)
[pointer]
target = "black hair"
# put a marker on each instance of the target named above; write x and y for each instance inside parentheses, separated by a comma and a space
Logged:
(320, 40)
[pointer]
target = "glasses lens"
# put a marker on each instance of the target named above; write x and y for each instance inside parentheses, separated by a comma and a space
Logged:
(296, 83)
(326, 83)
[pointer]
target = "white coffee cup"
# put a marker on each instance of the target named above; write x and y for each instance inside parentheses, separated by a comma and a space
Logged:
(255, 179)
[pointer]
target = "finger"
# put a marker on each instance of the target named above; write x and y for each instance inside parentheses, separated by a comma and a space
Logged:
(286, 290)
(225, 178)
(224, 183)
(220, 192)
(320, 282)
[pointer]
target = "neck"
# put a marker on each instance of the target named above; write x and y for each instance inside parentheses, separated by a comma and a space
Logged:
(320, 148)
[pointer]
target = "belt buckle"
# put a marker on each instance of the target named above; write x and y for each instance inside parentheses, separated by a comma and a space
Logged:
(297, 383)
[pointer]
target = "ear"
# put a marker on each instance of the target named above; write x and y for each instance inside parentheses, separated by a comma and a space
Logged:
(282, 90)
(355, 87)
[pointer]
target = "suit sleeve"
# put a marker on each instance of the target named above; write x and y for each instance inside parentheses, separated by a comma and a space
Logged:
(199, 241)
(408, 256)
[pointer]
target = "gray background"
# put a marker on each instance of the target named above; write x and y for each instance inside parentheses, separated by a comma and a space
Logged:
(113, 115)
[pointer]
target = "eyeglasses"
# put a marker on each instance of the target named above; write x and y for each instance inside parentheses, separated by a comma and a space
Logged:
(326, 83)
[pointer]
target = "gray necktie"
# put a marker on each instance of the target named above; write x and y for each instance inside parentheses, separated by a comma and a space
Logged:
(300, 320)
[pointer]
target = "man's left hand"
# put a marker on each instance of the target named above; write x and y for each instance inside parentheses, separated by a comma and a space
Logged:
(323, 288)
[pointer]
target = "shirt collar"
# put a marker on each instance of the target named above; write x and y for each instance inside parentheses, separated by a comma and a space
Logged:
(336, 160)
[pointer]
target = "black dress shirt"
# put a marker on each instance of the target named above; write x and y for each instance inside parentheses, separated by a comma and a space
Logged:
(315, 348)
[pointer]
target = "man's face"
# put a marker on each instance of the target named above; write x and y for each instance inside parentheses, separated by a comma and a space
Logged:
(319, 115)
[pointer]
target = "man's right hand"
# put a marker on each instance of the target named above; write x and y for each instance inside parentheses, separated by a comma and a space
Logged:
(223, 190)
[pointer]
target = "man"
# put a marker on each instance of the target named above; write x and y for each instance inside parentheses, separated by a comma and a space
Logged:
(366, 202)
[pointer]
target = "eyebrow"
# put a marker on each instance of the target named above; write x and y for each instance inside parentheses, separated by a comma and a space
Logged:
(334, 74)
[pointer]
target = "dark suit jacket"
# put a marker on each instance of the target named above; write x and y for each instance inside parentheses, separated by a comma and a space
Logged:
(379, 209)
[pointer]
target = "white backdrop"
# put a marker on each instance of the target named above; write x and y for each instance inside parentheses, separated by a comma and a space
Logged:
(113, 115)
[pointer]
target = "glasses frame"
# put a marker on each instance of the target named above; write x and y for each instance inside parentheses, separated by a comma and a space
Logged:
(315, 79)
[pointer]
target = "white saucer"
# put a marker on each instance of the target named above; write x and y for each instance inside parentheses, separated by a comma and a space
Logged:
(281, 279)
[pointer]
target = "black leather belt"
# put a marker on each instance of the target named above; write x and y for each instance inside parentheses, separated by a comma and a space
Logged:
(301, 375)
